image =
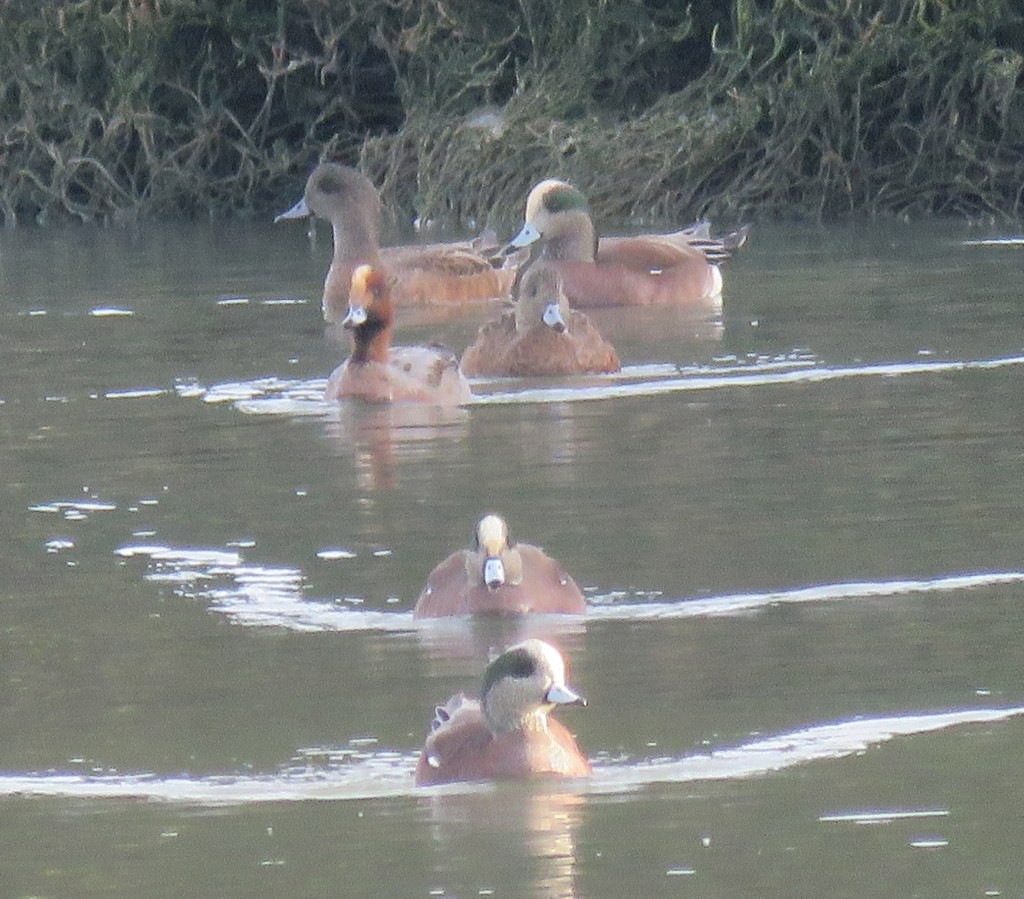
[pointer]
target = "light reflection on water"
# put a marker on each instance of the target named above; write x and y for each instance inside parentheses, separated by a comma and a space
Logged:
(356, 773)
(268, 596)
(801, 512)
(279, 396)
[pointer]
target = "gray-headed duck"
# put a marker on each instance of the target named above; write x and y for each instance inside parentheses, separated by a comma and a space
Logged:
(498, 576)
(508, 733)
(449, 273)
(541, 336)
(681, 268)
(381, 373)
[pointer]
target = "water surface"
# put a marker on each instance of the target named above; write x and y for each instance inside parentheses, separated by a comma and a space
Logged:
(796, 523)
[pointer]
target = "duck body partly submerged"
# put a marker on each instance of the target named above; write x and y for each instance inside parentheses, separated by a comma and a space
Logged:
(541, 336)
(378, 372)
(508, 733)
(681, 268)
(427, 274)
(498, 576)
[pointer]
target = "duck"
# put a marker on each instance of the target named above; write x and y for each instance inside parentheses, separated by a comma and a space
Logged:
(508, 733)
(381, 373)
(681, 268)
(429, 274)
(540, 336)
(498, 576)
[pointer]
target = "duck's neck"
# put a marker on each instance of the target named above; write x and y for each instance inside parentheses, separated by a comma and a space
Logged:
(371, 341)
(532, 722)
(356, 242)
(576, 241)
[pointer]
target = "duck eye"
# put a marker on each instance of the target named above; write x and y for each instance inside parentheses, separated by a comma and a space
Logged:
(329, 184)
(522, 664)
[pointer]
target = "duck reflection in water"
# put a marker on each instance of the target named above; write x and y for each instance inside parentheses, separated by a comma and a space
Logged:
(381, 436)
(522, 834)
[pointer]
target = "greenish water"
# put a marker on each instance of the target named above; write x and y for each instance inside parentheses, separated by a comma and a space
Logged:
(797, 527)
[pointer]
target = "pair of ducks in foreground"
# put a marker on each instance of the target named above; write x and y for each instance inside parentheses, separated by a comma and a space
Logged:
(507, 733)
(543, 335)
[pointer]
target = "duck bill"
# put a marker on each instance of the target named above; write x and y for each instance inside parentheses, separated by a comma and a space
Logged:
(560, 694)
(553, 318)
(299, 211)
(529, 235)
(355, 317)
(494, 573)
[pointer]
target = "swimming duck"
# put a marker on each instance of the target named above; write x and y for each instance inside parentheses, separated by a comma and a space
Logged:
(428, 274)
(498, 576)
(541, 336)
(380, 373)
(681, 268)
(507, 733)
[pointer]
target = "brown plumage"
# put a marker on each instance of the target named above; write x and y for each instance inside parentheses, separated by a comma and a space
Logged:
(681, 268)
(442, 273)
(380, 373)
(541, 336)
(508, 733)
(498, 576)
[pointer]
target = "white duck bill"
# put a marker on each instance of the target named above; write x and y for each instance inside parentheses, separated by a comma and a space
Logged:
(560, 694)
(298, 211)
(494, 573)
(356, 316)
(553, 317)
(524, 238)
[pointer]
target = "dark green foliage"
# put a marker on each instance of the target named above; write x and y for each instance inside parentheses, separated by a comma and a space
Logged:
(115, 109)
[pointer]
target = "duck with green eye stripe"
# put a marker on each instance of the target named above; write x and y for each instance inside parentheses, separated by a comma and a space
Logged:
(508, 733)
(681, 268)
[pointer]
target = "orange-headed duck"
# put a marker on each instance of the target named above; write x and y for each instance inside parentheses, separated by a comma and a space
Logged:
(681, 268)
(498, 576)
(508, 732)
(428, 274)
(381, 373)
(541, 336)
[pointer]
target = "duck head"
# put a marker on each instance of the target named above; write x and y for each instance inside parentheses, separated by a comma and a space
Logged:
(370, 313)
(522, 685)
(557, 212)
(541, 299)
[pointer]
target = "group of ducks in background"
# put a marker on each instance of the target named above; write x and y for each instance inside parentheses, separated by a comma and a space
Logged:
(507, 732)
(544, 334)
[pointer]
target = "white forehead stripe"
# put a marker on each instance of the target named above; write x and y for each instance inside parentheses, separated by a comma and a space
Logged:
(549, 657)
(491, 533)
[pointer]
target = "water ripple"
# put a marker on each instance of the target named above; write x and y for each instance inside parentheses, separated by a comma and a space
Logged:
(813, 743)
(289, 396)
(384, 773)
(274, 596)
(757, 378)
(736, 603)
